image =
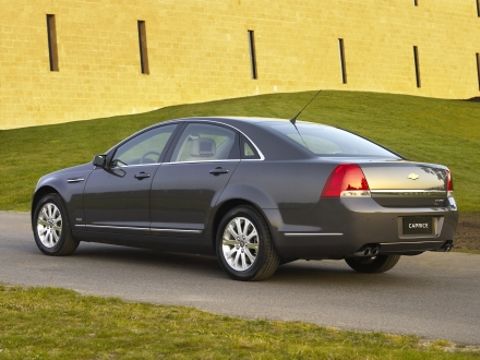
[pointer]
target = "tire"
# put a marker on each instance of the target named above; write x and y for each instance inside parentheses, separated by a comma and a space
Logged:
(377, 264)
(242, 254)
(51, 227)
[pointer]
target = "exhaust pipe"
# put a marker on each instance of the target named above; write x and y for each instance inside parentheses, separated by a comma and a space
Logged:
(367, 251)
(448, 246)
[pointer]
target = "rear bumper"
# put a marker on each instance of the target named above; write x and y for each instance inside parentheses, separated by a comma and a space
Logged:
(413, 247)
(338, 228)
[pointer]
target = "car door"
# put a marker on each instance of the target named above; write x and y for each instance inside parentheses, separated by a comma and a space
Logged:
(185, 188)
(117, 198)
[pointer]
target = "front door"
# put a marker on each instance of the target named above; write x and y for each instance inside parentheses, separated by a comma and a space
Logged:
(118, 197)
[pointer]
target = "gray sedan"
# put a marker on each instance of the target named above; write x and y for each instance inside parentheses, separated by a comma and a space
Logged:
(256, 192)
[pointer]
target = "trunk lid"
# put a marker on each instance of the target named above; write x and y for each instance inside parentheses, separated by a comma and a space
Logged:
(406, 184)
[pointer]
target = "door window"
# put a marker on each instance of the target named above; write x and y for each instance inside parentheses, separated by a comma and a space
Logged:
(203, 142)
(146, 148)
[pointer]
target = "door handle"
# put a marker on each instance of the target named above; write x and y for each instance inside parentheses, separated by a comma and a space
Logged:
(142, 175)
(218, 171)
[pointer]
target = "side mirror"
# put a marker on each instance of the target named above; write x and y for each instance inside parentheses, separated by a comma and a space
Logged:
(100, 161)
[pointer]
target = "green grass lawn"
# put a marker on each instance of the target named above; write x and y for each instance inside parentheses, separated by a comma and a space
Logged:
(42, 323)
(423, 129)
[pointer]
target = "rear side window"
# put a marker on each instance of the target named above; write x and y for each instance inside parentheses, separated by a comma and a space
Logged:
(248, 151)
(325, 140)
(203, 142)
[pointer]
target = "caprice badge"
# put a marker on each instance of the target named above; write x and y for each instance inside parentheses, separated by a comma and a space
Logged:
(413, 176)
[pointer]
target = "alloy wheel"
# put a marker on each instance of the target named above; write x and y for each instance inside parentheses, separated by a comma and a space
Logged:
(49, 225)
(240, 243)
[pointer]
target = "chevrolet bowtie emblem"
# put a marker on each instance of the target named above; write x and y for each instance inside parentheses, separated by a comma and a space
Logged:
(413, 176)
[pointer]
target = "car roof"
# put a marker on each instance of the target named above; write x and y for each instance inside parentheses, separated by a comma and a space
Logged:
(231, 119)
(248, 119)
(239, 120)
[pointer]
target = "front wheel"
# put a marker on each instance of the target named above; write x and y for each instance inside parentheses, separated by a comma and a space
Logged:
(375, 264)
(51, 227)
(244, 245)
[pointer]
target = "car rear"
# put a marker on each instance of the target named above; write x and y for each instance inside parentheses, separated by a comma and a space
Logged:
(369, 201)
(400, 207)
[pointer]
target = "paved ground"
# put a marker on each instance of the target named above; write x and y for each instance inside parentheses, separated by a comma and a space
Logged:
(434, 295)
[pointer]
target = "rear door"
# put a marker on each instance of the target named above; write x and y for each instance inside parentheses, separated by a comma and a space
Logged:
(185, 188)
(118, 198)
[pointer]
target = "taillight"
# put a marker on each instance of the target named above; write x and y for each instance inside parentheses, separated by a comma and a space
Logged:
(346, 180)
(449, 182)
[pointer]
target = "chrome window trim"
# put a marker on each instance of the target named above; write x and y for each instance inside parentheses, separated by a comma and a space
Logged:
(191, 120)
(135, 165)
(199, 161)
(206, 161)
(312, 234)
(183, 162)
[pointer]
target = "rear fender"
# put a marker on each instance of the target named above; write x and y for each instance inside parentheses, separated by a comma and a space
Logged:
(247, 194)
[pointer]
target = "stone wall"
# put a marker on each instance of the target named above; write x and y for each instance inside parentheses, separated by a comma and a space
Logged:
(198, 50)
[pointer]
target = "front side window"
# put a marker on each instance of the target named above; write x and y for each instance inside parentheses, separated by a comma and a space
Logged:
(203, 142)
(143, 149)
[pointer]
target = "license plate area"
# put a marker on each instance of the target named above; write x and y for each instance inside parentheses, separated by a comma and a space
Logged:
(418, 225)
(413, 232)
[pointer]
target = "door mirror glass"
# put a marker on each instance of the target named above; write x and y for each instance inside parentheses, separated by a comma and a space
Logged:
(100, 161)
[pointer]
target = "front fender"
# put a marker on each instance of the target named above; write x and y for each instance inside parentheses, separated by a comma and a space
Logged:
(70, 192)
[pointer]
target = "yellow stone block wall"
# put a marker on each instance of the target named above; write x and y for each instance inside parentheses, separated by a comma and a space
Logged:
(198, 50)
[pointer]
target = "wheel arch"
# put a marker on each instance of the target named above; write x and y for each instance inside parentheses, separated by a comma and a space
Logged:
(66, 241)
(40, 192)
(228, 205)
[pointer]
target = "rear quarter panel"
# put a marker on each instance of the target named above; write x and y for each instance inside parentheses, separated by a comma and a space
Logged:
(288, 193)
(291, 187)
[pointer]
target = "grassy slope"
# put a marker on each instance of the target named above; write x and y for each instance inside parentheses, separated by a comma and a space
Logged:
(59, 324)
(423, 129)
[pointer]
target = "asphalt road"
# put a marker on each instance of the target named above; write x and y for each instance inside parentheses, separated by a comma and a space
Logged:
(435, 295)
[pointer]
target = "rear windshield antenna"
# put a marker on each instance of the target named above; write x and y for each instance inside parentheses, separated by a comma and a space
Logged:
(294, 119)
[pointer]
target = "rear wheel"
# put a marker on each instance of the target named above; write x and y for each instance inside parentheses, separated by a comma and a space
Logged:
(244, 245)
(51, 227)
(375, 264)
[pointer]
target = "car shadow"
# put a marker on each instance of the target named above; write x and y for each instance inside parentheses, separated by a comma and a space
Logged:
(337, 273)
(149, 257)
(300, 273)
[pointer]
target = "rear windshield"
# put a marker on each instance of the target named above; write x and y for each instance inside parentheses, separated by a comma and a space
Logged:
(325, 140)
